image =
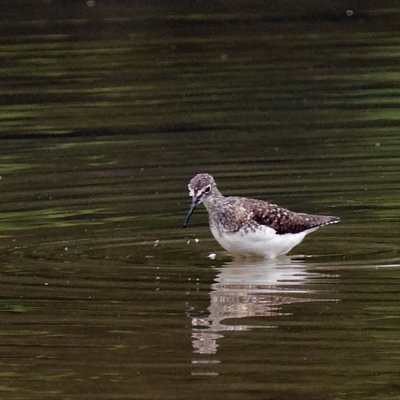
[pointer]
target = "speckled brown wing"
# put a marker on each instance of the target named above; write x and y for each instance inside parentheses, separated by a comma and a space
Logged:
(286, 221)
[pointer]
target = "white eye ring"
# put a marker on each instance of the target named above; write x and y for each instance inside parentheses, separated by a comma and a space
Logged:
(207, 189)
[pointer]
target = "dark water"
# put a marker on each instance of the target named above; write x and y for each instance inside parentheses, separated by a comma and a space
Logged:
(108, 111)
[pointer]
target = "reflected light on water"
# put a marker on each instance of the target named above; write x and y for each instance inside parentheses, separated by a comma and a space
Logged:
(107, 111)
(250, 289)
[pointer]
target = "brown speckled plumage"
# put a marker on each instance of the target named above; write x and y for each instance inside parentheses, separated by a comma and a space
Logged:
(228, 215)
(236, 213)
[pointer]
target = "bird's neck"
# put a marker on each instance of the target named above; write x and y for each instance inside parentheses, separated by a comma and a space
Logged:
(213, 201)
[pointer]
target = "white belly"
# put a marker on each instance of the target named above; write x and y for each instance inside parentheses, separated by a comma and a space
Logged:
(264, 242)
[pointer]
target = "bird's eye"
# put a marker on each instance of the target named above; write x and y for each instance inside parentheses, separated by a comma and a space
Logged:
(207, 189)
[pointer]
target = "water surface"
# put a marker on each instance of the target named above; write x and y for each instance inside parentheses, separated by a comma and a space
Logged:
(107, 112)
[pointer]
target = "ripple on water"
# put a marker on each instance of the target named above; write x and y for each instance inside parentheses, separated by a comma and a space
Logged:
(108, 113)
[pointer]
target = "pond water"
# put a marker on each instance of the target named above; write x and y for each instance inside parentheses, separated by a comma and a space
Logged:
(108, 111)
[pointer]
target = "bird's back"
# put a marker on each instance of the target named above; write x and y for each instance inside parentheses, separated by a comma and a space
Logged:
(238, 212)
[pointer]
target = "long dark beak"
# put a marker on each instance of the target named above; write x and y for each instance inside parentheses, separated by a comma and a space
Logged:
(193, 205)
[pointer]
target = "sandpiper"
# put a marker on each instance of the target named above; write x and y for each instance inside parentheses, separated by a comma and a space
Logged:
(248, 227)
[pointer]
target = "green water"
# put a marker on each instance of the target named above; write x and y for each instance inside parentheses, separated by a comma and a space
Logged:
(106, 113)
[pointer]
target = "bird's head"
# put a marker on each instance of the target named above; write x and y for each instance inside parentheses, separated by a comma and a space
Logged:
(200, 187)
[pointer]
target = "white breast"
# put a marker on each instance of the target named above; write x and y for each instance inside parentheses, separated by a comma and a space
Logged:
(263, 242)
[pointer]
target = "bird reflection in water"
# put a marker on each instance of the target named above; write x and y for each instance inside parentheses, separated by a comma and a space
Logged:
(245, 289)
